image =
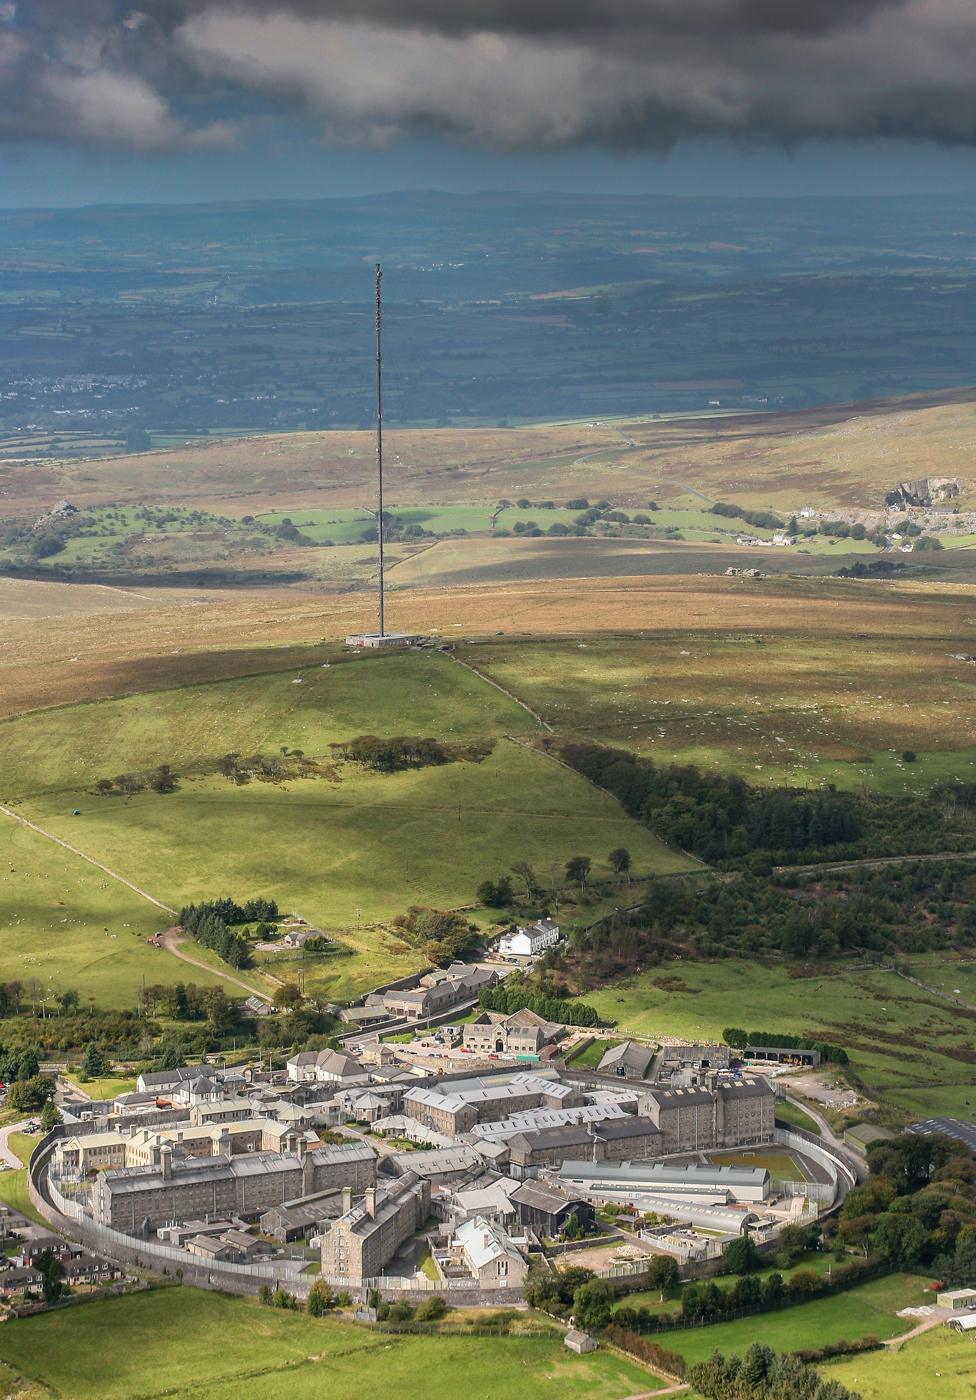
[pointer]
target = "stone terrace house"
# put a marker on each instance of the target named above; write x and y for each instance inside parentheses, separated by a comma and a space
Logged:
(522, 1033)
(184, 1188)
(530, 942)
(363, 1240)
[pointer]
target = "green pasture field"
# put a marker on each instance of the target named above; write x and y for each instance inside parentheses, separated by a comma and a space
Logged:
(869, 1310)
(901, 1041)
(166, 1337)
(64, 923)
(348, 526)
(370, 843)
(66, 749)
(346, 851)
(105, 1088)
(775, 707)
(937, 1363)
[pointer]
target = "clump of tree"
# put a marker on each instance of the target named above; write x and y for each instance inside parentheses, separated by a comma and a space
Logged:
(730, 823)
(917, 1207)
(443, 934)
(211, 923)
(407, 751)
(160, 779)
(661, 1358)
(763, 1374)
(496, 894)
(516, 994)
(269, 768)
(761, 519)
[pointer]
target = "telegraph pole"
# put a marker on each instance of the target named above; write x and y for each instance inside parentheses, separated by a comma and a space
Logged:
(379, 436)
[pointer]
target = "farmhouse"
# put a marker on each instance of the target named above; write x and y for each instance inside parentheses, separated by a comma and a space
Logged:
(529, 942)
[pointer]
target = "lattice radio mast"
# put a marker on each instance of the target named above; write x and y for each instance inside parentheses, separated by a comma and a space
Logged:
(379, 441)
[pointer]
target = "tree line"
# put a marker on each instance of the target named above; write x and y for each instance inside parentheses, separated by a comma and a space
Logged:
(515, 994)
(720, 818)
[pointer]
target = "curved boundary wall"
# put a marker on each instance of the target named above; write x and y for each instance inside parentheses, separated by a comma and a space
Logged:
(842, 1176)
(68, 1217)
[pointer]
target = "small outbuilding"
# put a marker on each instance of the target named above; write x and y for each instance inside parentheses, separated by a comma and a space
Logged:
(580, 1342)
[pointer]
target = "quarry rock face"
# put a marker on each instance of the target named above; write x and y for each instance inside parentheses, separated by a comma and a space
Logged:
(926, 491)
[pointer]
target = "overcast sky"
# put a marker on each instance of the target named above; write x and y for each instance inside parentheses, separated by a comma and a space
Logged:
(175, 100)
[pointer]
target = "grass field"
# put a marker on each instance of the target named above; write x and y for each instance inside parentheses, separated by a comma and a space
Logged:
(167, 1337)
(859, 1312)
(901, 1041)
(937, 1363)
(794, 1117)
(782, 1166)
(773, 705)
(105, 1088)
(345, 851)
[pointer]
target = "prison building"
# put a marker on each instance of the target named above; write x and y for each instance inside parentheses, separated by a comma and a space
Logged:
(700, 1119)
(706, 1185)
(612, 1140)
(484, 1101)
(546, 1208)
(363, 1240)
(179, 1187)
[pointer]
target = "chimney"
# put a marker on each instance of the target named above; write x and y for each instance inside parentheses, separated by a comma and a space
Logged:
(346, 1200)
(166, 1161)
(371, 1202)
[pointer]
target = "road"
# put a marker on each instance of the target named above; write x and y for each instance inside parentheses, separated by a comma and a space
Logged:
(828, 1135)
(7, 1153)
(172, 942)
(866, 864)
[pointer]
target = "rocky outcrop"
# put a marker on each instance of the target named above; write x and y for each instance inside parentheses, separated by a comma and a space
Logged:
(926, 491)
(61, 510)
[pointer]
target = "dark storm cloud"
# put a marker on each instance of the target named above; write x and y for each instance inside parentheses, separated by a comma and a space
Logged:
(502, 72)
